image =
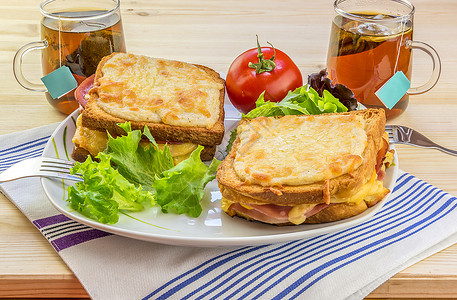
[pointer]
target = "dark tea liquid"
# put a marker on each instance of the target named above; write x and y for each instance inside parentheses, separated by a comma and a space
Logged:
(79, 45)
(364, 55)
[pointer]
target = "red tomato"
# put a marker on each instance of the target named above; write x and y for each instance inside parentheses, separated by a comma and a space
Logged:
(244, 84)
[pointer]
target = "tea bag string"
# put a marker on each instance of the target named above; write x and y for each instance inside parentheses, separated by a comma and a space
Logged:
(402, 29)
(60, 42)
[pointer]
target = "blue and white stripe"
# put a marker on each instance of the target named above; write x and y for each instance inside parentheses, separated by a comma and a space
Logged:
(11, 155)
(290, 270)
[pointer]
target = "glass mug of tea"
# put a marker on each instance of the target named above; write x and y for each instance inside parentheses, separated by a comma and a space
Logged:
(370, 41)
(76, 34)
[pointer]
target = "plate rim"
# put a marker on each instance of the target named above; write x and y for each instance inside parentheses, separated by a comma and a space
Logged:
(216, 241)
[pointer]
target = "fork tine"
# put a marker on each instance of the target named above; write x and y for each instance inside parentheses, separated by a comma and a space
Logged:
(58, 168)
(390, 129)
(55, 169)
(32, 167)
(60, 175)
(57, 161)
(56, 165)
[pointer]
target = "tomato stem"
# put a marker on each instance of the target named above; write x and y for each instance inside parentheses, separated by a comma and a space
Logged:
(264, 65)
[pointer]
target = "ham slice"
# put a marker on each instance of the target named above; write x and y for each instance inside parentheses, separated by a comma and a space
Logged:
(271, 213)
(380, 159)
(380, 173)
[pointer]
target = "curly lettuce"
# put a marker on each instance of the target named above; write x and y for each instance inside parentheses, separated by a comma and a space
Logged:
(129, 176)
(180, 189)
(139, 165)
(105, 191)
(302, 101)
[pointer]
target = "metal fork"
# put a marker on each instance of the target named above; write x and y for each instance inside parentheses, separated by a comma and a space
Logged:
(405, 135)
(40, 167)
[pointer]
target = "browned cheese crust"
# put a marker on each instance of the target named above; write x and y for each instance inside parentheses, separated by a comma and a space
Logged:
(233, 188)
(94, 117)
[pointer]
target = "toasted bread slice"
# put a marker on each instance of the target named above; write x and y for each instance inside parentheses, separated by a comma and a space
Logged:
(128, 96)
(236, 189)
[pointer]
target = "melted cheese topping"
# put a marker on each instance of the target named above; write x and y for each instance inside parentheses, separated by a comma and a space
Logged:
(297, 150)
(95, 141)
(145, 89)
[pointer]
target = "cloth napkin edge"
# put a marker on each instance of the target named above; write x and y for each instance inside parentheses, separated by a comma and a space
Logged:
(31, 131)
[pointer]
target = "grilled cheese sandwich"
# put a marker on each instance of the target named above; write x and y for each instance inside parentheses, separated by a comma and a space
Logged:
(181, 103)
(146, 89)
(314, 168)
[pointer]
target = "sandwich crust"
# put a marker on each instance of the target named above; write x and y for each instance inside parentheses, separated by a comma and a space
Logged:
(95, 117)
(233, 187)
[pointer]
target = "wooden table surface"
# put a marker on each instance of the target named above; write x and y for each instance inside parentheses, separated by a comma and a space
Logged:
(213, 33)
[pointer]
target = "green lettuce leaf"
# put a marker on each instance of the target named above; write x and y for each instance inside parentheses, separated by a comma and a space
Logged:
(105, 191)
(128, 176)
(181, 188)
(264, 108)
(139, 165)
(320, 82)
(302, 101)
(231, 140)
(329, 98)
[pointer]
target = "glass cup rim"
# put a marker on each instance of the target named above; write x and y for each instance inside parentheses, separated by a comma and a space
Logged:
(361, 18)
(83, 18)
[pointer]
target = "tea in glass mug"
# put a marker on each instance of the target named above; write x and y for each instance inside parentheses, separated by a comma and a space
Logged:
(369, 42)
(76, 34)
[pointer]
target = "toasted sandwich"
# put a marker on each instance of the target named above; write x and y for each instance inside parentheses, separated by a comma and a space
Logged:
(305, 169)
(182, 105)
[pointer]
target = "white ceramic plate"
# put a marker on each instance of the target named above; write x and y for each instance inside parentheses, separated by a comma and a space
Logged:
(212, 228)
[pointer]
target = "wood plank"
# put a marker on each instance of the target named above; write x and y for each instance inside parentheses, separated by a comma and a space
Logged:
(414, 288)
(42, 288)
(214, 33)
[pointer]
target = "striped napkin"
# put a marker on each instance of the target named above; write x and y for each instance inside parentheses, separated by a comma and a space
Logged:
(416, 222)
